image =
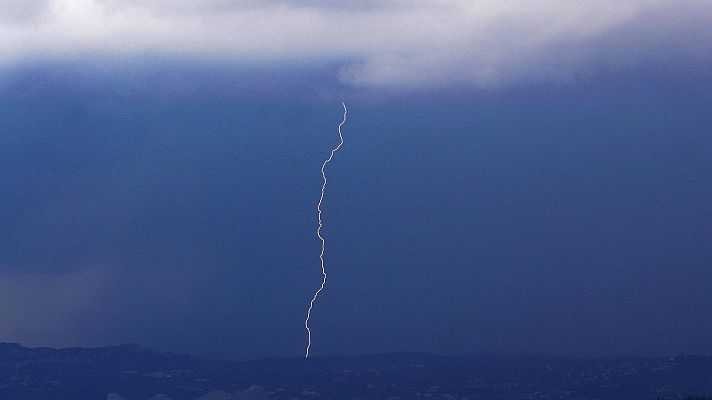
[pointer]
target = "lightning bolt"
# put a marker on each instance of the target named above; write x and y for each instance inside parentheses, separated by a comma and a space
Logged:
(318, 230)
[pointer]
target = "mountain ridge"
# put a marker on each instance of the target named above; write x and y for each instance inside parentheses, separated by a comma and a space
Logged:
(132, 372)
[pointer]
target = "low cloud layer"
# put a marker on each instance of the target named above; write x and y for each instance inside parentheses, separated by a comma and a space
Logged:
(379, 44)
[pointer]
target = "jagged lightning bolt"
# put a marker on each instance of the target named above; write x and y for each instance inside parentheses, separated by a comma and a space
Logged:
(318, 230)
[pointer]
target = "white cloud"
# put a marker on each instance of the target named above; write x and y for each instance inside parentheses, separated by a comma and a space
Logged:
(21, 11)
(381, 44)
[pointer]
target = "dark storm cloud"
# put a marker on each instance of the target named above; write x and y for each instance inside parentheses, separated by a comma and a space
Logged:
(153, 178)
(173, 206)
(159, 169)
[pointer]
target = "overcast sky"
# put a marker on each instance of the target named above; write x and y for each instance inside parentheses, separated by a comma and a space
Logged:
(517, 177)
(377, 43)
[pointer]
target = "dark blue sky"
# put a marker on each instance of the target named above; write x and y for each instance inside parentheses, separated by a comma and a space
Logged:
(172, 205)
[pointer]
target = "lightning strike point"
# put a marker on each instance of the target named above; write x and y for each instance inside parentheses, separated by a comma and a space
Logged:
(318, 230)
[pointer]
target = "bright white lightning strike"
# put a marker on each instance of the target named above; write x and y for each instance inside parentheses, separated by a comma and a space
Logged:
(318, 230)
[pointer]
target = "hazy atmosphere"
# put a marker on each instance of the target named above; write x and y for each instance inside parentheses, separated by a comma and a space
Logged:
(514, 180)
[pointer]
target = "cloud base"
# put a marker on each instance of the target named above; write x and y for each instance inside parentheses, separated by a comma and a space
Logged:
(401, 44)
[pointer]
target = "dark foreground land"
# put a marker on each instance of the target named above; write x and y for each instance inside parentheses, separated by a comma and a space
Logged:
(130, 372)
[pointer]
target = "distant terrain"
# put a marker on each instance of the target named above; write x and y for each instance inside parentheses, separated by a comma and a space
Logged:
(133, 373)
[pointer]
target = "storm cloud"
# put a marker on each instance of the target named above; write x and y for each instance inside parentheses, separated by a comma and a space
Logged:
(376, 43)
(546, 191)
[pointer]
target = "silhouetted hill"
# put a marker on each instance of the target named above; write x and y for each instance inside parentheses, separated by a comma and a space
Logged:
(130, 372)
